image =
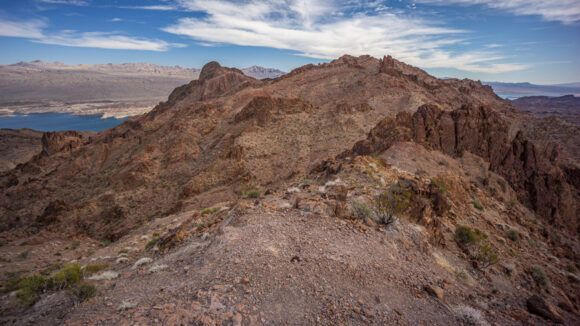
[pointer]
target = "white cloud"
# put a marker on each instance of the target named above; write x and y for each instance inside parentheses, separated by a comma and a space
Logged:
(26, 29)
(328, 29)
(34, 30)
(66, 2)
(155, 7)
(106, 41)
(565, 11)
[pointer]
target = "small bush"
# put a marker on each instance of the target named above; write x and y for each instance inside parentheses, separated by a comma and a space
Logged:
(477, 205)
(487, 256)
(142, 261)
(391, 203)
(254, 193)
(539, 276)
(152, 242)
(360, 210)
(513, 235)
(66, 277)
(93, 268)
(570, 268)
(469, 316)
(209, 210)
(572, 278)
(84, 291)
(512, 203)
(440, 183)
(465, 235)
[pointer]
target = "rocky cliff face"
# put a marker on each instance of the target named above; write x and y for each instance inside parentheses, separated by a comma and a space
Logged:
(533, 172)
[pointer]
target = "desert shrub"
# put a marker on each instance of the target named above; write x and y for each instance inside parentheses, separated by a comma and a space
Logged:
(209, 210)
(93, 268)
(157, 268)
(84, 291)
(360, 210)
(572, 278)
(391, 203)
(539, 276)
(254, 193)
(142, 261)
(477, 205)
(440, 183)
(30, 287)
(513, 235)
(126, 305)
(66, 277)
(464, 235)
(152, 242)
(469, 316)
(487, 255)
(108, 275)
(512, 203)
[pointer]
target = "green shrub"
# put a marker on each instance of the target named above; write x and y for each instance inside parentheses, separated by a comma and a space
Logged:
(572, 278)
(360, 210)
(513, 235)
(254, 193)
(487, 255)
(512, 203)
(477, 205)
(84, 291)
(539, 276)
(152, 242)
(30, 288)
(93, 268)
(440, 183)
(66, 277)
(209, 210)
(391, 203)
(464, 235)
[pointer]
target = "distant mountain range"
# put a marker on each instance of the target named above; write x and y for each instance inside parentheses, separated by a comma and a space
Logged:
(39, 81)
(116, 90)
(515, 90)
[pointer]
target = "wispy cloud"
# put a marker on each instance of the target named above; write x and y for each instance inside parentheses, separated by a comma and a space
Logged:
(154, 7)
(565, 11)
(328, 29)
(66, 2)
(34, 30)
(106, 41)
(26, 29)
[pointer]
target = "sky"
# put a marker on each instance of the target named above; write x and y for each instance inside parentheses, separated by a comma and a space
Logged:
(534, 41)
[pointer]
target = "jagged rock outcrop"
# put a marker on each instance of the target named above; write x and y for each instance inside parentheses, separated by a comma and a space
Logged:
(532, 172)
(214, 80)
(67, 141)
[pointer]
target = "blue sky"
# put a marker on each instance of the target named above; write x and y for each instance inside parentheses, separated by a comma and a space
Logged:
(494, 40)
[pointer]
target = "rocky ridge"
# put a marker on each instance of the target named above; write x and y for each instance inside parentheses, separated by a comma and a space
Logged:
(253, 186)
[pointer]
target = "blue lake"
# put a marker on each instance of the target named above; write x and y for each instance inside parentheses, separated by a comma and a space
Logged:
(58, 122)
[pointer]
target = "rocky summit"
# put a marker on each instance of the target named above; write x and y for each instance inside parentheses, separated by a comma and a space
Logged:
(357, 192)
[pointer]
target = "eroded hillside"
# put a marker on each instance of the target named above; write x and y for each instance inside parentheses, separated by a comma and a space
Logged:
(359, 191)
